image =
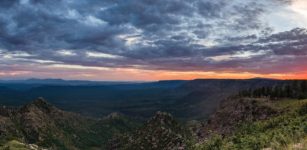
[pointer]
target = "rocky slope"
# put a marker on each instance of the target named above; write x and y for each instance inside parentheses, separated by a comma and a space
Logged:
(161, 132)
(234, 111)
(256, 124)
(47, 126)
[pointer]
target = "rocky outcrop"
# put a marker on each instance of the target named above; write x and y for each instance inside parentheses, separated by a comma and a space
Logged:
(43, 124)
(235, 111)
(160, 132)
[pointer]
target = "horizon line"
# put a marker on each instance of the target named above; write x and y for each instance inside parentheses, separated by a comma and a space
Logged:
(63, 79)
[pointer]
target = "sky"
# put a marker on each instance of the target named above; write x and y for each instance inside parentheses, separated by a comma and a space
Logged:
(146, 40)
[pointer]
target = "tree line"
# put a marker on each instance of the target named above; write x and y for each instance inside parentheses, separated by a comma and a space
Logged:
(296, 89)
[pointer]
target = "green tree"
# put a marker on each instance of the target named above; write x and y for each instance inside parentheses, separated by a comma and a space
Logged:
(304, 86)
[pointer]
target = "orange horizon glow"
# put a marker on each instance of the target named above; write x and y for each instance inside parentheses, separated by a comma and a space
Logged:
(124, 74)
(116, 43)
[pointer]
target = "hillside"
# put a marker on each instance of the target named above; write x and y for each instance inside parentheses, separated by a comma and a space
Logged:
(239, 123)
(253, 123)
(47, 126)
(203, 96)
(234, 111)
(254, 119)
(162, 131)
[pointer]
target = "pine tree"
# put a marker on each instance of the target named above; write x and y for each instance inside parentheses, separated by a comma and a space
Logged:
(288, 91)
(304, 86)
(268, 91)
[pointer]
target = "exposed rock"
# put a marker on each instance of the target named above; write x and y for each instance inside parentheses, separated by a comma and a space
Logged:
(160, 132)
(113, 116)
(234, 111)
(40, 123)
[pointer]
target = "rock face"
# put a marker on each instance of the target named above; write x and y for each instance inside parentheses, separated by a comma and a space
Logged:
(160, 132)
(234, 111)
(36, 119)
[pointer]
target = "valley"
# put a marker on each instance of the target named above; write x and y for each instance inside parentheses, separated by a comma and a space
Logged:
(195, 99)
(231, 115)
(153, 75)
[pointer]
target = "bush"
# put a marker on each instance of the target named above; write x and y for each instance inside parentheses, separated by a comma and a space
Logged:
(303, 110)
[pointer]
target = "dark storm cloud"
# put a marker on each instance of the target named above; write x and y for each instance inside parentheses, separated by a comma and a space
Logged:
(40, 25)
(37, 24)
(292, 42)
(278, 53)
(282, 52)
(200, 35)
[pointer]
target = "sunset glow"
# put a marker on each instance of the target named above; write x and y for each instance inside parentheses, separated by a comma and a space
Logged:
(300, 6)
(162, 40)
(113, 74)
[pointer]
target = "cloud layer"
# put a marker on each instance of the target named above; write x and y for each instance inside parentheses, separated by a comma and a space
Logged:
(167, 35)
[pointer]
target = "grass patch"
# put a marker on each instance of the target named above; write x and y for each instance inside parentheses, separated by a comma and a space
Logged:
(14, 145)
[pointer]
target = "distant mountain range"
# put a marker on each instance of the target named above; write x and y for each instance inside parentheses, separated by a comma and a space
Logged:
(87, 82)
(194, 99)
(65, 82)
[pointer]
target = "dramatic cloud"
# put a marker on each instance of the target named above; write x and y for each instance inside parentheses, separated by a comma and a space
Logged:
(203, 36)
